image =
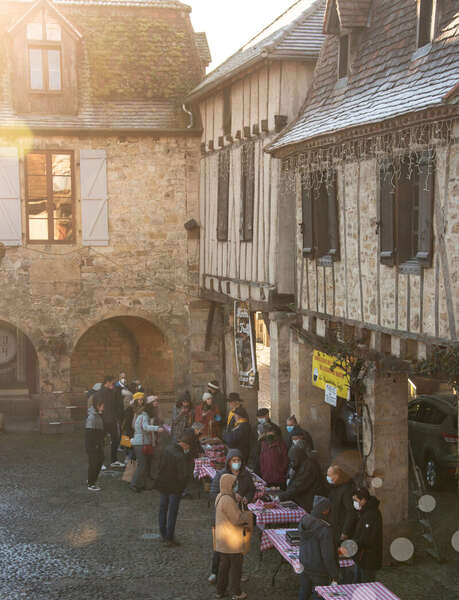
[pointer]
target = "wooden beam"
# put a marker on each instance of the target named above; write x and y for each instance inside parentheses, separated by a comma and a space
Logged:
(210, 322)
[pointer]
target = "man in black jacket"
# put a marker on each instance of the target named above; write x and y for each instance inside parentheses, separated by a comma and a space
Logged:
(343, 514)
(368, 536)
(305, 479)
(318, 553)
(173, 474)
(113, 413)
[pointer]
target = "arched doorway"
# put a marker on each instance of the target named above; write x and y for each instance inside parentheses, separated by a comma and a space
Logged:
(130, 344)
(19, 384)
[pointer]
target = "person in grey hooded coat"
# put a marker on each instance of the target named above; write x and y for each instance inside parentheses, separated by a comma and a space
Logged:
(318, 553)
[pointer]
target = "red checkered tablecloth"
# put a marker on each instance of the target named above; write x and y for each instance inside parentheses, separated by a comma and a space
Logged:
(276, 538)
(356, 591)
(270, 516)
(203, 468)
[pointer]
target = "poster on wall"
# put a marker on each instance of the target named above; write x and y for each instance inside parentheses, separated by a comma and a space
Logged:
(245, 347)
(323, 375)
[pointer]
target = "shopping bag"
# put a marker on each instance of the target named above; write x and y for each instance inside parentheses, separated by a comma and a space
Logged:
(129, 471)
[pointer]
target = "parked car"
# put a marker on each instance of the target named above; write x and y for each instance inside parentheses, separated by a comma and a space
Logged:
(433, 434)
(346, 422)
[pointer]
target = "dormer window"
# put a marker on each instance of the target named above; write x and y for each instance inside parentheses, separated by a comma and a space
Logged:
(426, 21)
(343, 56)
(45, 58)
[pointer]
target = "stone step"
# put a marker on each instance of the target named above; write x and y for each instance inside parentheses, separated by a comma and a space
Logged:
(21, 424)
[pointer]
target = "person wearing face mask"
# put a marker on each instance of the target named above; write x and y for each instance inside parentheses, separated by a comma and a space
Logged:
(184, 417)
(318, 553)
(304, 479)
(340, 491)
(244, 492)
(113, 414)
(239, 436)
(368, 536)
(173, 475)
(295, 432)
(233, 529)
(272, 464)
(94, 442)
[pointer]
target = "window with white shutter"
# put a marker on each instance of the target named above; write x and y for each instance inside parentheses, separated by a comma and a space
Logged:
(10, 201)
(94, 205)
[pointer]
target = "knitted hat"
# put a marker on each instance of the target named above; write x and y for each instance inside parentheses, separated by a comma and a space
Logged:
(320, 506)
(213, 384)
(138, 396)
(151, 399)
(233, 397)
(206, 396)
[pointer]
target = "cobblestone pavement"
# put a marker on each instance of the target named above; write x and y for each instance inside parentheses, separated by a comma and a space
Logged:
(60, 542)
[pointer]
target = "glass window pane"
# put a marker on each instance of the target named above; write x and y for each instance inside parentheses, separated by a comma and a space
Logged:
(36, 164)
(54, 69)
(61, 164)
(62, 207)
(63, 229)
(34, 31)
(37, 187)
(38, 229)
(53, 32)
(36, 68)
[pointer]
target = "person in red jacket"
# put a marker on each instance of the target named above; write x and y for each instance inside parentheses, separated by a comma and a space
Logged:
(273, 458)
(205, 413)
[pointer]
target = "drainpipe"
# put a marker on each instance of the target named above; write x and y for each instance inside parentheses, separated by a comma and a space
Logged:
(190, 114)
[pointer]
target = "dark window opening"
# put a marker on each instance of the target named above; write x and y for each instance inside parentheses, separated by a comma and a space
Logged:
(406, 211)
(227, 111)
(223, 195)
(49, 197)
(247, 190)
(343, 59)
(426, 10)
(320, 217)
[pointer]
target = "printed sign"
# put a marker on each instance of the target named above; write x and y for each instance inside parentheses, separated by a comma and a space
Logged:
(7, 346)
(244, 344)
(323, 374)
(330, 394)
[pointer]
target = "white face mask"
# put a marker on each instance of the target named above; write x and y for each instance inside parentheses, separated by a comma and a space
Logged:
(296, 442)
(261, 420)
(330, 480)
(356, 505)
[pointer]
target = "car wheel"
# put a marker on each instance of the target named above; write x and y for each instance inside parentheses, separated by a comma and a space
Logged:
(431, 473)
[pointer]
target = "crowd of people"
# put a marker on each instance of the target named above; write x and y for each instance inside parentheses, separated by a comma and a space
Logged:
(336, 509)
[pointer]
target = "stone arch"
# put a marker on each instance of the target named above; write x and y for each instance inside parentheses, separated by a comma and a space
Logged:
(19, 371)
(123, 342)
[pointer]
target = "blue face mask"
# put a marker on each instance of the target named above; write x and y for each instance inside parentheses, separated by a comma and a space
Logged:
(218, 418)
(236, 466)
(290, 428)
(330, 480)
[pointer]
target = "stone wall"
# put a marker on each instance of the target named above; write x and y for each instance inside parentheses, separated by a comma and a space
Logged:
(149, 269)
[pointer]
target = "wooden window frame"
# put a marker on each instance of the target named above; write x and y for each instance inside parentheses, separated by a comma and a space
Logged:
(393, 229)
(227, 114)
(45, 67)
(224, 171)
(247, 191)
(433, 23)
(320, 218)
(44, 45)
(49, 188)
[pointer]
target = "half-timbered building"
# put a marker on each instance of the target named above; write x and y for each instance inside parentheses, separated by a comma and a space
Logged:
(247, 227)
(372, 167)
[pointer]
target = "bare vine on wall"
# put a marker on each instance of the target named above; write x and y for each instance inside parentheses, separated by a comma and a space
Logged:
(442, 363)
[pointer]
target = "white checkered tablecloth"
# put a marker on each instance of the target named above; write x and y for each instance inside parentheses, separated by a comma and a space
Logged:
(270, 516)
(201, 468)
(270, 536)
(356, 591)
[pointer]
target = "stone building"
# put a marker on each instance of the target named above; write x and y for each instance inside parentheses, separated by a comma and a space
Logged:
(246, 224)
(372, 166)
(99, 172)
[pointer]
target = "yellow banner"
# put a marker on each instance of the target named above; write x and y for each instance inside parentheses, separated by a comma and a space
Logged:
(323, 374)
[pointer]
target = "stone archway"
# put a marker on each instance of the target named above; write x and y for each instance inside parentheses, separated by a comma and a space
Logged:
(128, 343)
(19, 373)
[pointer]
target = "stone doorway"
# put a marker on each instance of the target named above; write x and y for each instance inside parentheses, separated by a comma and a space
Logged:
(130, 344)
(263, 362)
(18, 373)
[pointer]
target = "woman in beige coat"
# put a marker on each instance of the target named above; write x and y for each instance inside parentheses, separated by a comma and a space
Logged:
(233, 529)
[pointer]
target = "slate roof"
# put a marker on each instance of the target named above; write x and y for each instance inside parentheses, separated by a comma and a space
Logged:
(296, 34)
(351, 13)
(203, 47)
(389, 76)
(134, 71)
